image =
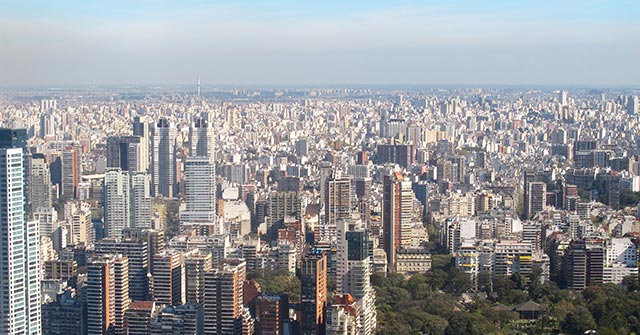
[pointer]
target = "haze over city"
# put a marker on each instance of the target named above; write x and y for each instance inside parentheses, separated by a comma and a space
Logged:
(285, 167)
(584, 43)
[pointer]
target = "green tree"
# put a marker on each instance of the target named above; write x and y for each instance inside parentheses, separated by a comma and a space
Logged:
(578, 321)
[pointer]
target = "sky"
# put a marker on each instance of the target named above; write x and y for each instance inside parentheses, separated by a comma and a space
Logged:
(324, 42)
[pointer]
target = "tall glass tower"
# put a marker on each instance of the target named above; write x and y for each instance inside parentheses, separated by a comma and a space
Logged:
(19, 242)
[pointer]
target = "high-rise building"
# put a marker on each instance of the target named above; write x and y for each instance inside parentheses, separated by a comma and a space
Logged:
(353, 270)
(121, 299)
(39, 187)
(196, 265)
(141, 129)
(563, 98)
(140, 200)
(78, 214)
(632, 105)
(107, 294)
(536, 198)
(136, 250)
(163, 168)
(313, 292)
(125, 152)
(116, 202)
(397, 211)
(283, 204)
(223, 299)
(138, 317)
(339, 200)
(48, 219)
(202, 139)
(65, 316)
(169, 278)
(200, 191)
(401, 154)
(20, 311)
(71, 169)
(271, 310)
(187, 319)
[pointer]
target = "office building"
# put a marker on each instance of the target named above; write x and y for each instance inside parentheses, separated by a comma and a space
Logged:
(401, 154)
(353, 272)
(202, 138)
(125, 153)
(200, 191)
(163, 168)
(141, 129)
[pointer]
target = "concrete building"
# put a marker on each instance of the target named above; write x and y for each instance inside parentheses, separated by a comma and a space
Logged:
(107, 294)
(163, 167)
(314, 292)
(65, 316)
(200, 191)
(223, 299)
(397, 211)
(136, 250)
(169, 278)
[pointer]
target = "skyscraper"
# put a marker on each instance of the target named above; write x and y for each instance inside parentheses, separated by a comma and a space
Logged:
(202, 138)
(164, 138)
(39, 183)
(140, 199)
(339, 199)
(116, 202)
(223, 299)
(632, 105)
(314, 292)
(536, 198)
(136, 250)
(19, 265)
(141, 129)
(169, 278)
(353, 269)
(107, 294)
(196, 265)
(200, 191)
(125, 152)
(397, 209)
(563, 98)
(71, 169)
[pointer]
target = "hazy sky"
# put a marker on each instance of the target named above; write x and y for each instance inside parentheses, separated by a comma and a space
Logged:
(253, 42)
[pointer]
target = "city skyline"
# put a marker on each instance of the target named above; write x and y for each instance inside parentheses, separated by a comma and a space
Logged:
(330, 43)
